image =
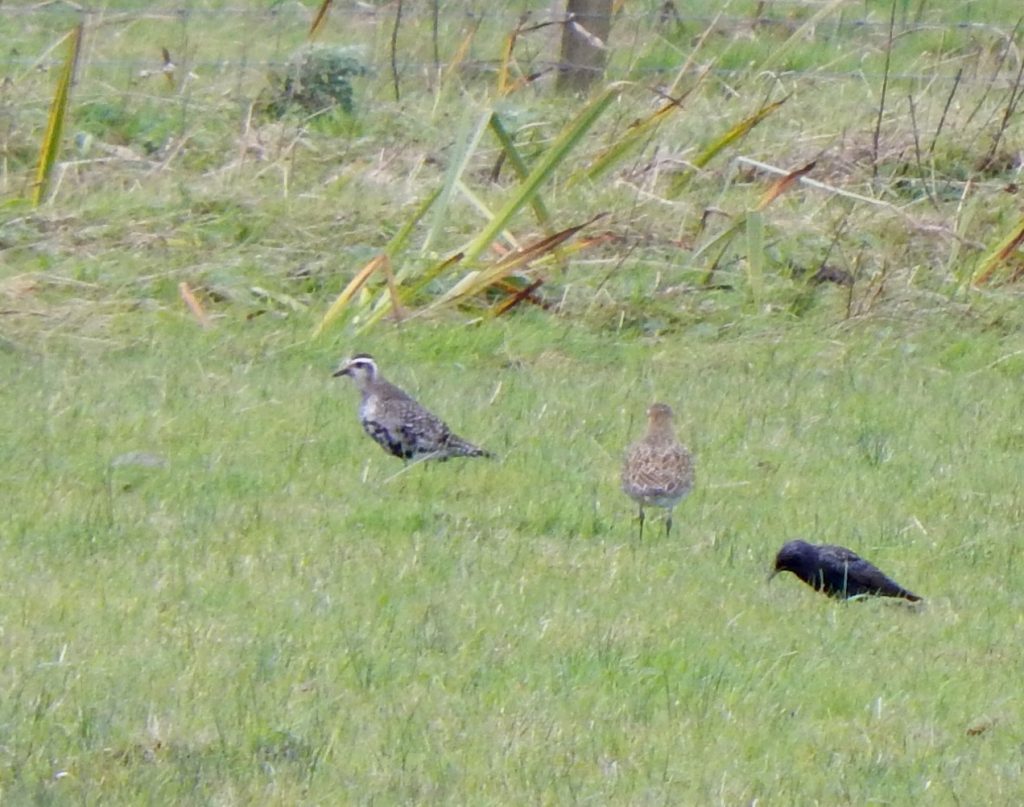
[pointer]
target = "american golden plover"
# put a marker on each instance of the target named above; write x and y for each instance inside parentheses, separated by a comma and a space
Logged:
(658, 471)
(836, 571)
(398, 423)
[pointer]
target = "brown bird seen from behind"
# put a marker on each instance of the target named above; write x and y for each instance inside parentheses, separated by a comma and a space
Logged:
(658, 470)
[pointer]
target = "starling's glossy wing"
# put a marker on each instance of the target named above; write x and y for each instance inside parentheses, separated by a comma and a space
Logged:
(845, 573)
(837, 555)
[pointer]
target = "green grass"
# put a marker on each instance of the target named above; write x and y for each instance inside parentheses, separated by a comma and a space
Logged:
(276, 616)
(219, 591)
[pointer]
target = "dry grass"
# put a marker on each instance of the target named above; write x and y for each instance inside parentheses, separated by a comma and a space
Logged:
(169, 183)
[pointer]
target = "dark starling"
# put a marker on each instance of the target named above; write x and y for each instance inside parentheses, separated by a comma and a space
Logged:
(836, 571)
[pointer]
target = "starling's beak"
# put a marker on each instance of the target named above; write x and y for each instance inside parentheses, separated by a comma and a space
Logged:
(771, 576)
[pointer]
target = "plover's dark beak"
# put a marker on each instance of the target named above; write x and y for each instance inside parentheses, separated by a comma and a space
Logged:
(342, 370)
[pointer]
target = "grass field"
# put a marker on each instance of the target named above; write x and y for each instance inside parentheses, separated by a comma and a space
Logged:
(219, 591)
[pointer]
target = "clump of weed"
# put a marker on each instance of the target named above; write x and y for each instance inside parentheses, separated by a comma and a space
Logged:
(149, 125)
(314, 79)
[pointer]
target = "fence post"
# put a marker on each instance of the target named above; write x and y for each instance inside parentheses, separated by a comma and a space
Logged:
(584, 43)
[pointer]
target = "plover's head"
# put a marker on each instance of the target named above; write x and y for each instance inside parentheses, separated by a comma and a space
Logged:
(659, 420)
(659, 413)
(361, 368)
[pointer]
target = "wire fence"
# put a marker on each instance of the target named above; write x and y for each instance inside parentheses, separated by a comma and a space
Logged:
(196, 61)
(648, 39)
(209, 57)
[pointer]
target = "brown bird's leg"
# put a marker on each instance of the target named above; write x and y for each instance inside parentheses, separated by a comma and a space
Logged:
(668, 523)
(641, 522)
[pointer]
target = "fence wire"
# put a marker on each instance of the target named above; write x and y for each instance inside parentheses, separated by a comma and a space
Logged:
(128, 36)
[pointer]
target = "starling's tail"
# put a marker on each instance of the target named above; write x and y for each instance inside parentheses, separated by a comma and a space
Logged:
(893, 589)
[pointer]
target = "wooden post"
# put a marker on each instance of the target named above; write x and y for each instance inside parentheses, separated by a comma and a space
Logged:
(584, 43)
